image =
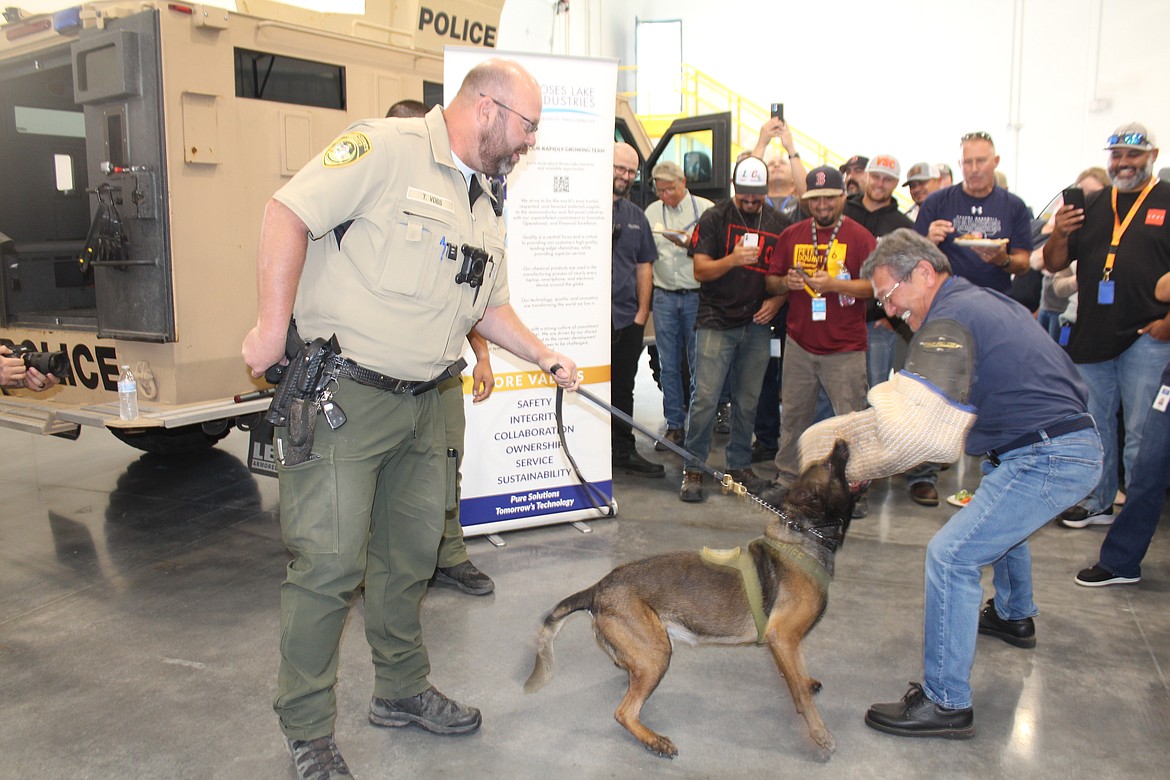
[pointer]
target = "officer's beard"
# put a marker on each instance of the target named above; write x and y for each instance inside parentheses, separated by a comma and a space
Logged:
(494, 155)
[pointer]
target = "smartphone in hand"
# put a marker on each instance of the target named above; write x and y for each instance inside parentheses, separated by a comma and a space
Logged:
(1074, 196)
(778, 111)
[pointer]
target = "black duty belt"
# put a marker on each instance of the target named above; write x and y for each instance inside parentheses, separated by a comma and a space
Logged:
(371, 378)
(1067, 425)
(683, 291)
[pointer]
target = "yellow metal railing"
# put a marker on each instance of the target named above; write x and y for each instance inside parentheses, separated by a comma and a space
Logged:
(702, 94)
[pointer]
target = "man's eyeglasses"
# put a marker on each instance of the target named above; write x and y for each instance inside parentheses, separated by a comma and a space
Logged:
(1129, 139)
(622, 170)
(884, 300)
(977, 136)
(529, 125)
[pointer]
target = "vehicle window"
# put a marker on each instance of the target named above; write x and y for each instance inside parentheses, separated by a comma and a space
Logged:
(264, 76)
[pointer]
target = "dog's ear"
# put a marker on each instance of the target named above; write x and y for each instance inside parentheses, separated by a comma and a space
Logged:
(838, 458)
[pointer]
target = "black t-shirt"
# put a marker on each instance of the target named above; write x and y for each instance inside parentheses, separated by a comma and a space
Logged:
(1102, 332)
(733, 299)
(880, 223)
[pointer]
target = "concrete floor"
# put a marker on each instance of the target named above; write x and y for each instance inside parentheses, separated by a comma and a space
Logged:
(139, 631)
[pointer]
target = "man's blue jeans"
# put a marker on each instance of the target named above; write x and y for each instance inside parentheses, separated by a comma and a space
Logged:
(1131, 379)
(1031, 485)
(674, 333)
(1129, 537)
(743, 352)
(879, 355)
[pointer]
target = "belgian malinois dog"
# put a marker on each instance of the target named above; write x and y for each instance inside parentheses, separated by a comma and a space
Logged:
(640, 607)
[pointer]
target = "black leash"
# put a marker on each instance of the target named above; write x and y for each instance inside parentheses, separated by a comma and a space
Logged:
(726, 482)
(592, 492)
(691, 460)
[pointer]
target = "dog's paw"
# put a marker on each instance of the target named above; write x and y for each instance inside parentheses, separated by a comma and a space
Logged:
(814, 686)
(825, 742)
(662, 746)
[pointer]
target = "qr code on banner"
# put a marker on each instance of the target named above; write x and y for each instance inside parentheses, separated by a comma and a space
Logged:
(560, 184)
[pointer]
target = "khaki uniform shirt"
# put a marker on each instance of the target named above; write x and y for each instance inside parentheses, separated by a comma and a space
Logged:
(388, 288)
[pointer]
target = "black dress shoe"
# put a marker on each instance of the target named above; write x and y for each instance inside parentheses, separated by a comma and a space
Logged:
(917, 716)
(1021, 633)
(633, 463)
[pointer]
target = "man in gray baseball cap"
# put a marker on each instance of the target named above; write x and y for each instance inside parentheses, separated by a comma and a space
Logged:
(1121, 339)
(922, 179)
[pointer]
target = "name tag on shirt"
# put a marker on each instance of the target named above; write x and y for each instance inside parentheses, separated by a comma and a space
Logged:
(438, 201)
(820, 309)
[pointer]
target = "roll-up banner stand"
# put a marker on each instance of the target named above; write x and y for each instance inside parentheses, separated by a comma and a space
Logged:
(559, 216)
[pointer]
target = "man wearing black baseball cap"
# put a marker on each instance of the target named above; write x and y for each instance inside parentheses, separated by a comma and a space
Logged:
(853, 170)
(817, 269)
(1121, 339)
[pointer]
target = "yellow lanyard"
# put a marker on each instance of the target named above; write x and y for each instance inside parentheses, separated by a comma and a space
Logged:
(1120, 227)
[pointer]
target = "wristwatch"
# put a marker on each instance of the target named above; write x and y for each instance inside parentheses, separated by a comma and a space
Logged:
(1006, 263)
(794, 155)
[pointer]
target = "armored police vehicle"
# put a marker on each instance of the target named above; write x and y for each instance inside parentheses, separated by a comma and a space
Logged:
(139, 142)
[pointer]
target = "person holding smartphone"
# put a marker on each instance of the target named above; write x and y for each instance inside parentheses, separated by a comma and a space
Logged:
(1121, 339)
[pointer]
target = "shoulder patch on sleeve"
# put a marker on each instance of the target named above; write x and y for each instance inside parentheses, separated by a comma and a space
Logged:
(346, 149)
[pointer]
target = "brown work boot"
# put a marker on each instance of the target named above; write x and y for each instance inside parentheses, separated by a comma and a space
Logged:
(692, 487)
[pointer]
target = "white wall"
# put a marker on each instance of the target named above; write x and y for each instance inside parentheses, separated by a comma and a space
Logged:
(908, 77)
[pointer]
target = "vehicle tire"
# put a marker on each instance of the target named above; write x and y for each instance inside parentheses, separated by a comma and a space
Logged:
(184, 440)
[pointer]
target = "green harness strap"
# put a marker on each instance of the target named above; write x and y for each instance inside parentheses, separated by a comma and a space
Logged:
(735, 559)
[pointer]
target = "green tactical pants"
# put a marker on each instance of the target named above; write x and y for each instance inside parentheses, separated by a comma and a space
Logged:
(452, 549)
(368, 509)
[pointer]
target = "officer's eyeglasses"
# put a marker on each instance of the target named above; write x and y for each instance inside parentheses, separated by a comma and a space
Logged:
(529, 125)
(1128, 139)
(883, 301)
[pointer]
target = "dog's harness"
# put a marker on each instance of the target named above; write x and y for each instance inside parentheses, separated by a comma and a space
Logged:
(736, 559)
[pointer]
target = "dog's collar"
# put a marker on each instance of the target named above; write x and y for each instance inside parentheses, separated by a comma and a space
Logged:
(811, 530)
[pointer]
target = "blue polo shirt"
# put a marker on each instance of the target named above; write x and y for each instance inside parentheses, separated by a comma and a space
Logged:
(633, 243)
(999, 214)
(1023, 381)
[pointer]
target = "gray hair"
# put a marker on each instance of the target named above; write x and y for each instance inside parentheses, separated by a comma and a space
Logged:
(901, 251)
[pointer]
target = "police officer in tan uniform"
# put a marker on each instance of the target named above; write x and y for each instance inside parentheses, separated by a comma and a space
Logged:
(368, 505)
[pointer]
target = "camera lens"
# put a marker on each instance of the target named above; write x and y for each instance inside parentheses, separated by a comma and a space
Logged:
(55, 363)
(58, 363)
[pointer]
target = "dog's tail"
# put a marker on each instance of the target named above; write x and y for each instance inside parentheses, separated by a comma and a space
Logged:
(542, 670)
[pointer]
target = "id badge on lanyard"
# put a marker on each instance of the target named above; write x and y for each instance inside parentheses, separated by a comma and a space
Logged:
(820, 309)
(1105, 290)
